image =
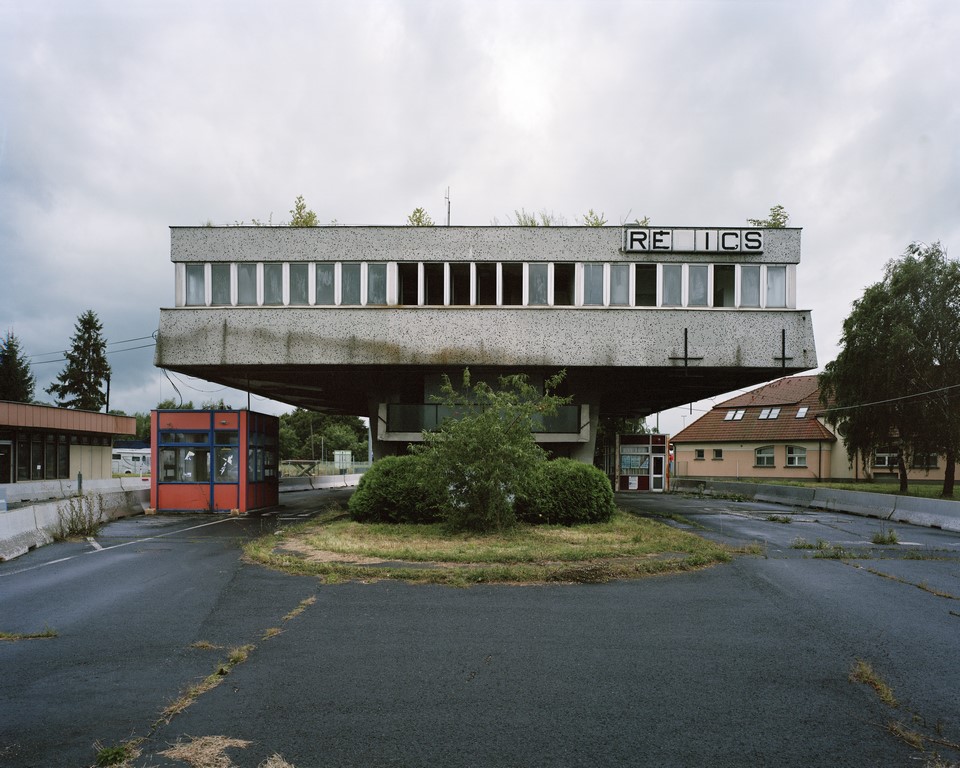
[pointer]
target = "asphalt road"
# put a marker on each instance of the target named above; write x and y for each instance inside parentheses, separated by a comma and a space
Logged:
(743, 664)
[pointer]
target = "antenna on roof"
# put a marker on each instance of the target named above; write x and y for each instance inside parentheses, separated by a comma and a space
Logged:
(448, 205)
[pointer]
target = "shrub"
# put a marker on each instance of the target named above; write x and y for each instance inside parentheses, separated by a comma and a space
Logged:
(566, 492)
(79, 516)
(397, 489)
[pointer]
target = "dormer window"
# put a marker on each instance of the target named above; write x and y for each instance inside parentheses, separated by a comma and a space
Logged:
(802, 412)
(769, 413)
(734, 415)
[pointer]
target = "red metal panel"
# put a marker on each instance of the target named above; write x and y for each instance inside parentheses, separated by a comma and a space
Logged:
(184, 420)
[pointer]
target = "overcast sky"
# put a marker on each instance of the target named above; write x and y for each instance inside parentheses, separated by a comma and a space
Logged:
(120, 118)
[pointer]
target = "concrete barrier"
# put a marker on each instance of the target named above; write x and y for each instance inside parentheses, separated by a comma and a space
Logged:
(318, 482)
(932, 513)
(28, 526)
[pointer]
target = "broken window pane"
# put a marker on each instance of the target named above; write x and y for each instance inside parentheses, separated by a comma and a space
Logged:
(538, 284)
(377, 284)
(563, 282)
(408, 277)
(325, 284)
(593, 284)
(487, 284)
(220, 284)
(273, 284)
(645, 291)
(433, 284)
(620, 284)
(299, 283)
(672, 285)
(247, 284)
(195, 287)
(460, 284)
(723, 285)
(512, 284)
(750, 286)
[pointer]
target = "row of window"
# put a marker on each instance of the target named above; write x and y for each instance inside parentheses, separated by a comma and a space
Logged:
(736, 414)
(485, 284)
(44, 455)
(204, 457)
(889, 458)
(763, 456)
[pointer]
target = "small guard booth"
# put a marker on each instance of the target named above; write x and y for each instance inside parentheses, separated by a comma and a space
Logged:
(642, 463)
(213, 461)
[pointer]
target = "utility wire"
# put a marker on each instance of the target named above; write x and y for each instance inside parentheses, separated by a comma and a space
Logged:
(891, 399)
(109, 344)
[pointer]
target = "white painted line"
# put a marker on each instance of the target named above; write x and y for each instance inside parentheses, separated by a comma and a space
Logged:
(117, 546)
(94, 543)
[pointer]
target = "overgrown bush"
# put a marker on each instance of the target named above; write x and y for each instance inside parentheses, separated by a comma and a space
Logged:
(485, 454)
(79, 516)
(566, 492)
(398, 489)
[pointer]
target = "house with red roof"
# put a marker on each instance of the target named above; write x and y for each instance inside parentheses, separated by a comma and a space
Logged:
(779, 432)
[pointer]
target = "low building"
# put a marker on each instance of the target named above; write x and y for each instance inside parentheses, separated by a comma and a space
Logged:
(366, 321)
(41, 442)
(779, 432)
(213, 461)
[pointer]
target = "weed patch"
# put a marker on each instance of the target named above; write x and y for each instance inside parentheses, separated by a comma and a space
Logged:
(79, 516)
(862, 672)
(119, 754)
(779, 519)
(12, 637)
(885, 536)
(211, 681)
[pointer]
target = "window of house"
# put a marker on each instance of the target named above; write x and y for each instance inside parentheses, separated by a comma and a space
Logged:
(350, 284)
(886, 457)
(220, 284)
(299, 283)
(724, 285)
(376, 284)
(272, 284)
(776, 286)
(487, 284)
(697, 288)
(537, 275)
(698, 454)
(718, 454)
(796, 456)
(460, 284)
(195, 285)
(729, 416)
(408, 280)
(325, 282)
(593, 284)
(769, 413)
(564, 280)
(247, 285)
(924, 461)
(645, 287)
(763, 457)
(738, 416)
(512, 276)
(750, 285)
(620, 285)
(802, 412)
(433, 284)
(672, 285)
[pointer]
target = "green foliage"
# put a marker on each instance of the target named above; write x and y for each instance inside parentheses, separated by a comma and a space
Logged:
(485, 454)
(79, 384)
(311, 435)
(419, 218)
(398, 489)
(300, 216)
(543, 219)
(171, 405)
(777, 219)
(899, 357)
(79, 516)
(566, 492)
(591, 219)
(17, 383)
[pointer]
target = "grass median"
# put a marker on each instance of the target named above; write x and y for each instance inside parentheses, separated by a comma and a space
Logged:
(626, 547)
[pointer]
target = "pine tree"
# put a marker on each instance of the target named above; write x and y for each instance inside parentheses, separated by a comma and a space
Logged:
(79, 383)
(16, 381)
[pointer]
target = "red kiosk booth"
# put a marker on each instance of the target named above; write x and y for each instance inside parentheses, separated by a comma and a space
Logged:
(213, 461)
(642, 463)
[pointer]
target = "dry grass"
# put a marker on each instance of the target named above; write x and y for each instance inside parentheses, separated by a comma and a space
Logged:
(862, 672)
(236, 656)
(625, 547)
(12, 637)
(205, 751)
(303, 605)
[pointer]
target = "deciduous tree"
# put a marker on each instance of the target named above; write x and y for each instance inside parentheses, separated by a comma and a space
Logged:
(419, 218)
(900, 360)
(300, 216)
(79, 384)
(17, 382)
(485, 451)
(777, 219)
